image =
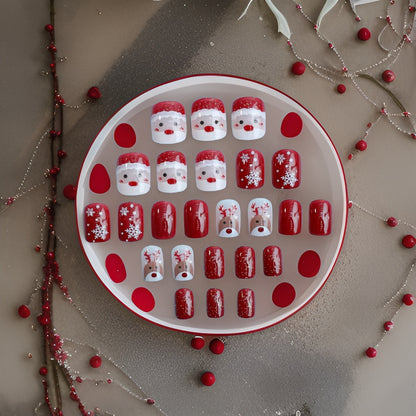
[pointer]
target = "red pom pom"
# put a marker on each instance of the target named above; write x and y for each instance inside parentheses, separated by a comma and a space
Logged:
(298, 68)
(392, 222)
(208, 379)
(361, 145)
(43, 371)
(95, 361)
(388, 325)
(216, 346)
(364, 34)
(409, 241)
(23, 311)
(150, 401)
(341, 88)
(197, 342)
(408, 299)
(49, 28)
(70, 192)
(371, 352)
(388, 75)
(94, 93)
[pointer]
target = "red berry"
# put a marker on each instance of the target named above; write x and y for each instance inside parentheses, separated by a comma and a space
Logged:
(298, 68)
(388, 325)
(216, 346)
(361, 145)
(150, 401)
(371, 352)
(408, 299)
(54, 171)
(208, 379)
(197, 342)
(94, 93)
(62, 154)
(364, 34)
(388, 75)
(341, 88)
(95, 361)
(23, 311)
(43, 371)
(49, 28)
(70, 192)
(392, 222)
(409, 241)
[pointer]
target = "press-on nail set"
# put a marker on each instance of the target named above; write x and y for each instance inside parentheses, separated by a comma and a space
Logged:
(199, 217)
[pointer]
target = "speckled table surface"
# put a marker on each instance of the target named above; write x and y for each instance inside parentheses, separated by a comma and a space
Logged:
(313, 363)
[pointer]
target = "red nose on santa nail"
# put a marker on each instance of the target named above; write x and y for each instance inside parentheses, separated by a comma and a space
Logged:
(172, 181)
(133, 183)
(168, 131)
(209, 129)
(248, 127)
(211, 180)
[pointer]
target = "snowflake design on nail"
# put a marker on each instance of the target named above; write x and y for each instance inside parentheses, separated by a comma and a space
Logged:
(90, 212)
(290, 179)
(124, 211)
(100, 232)
(280, 158)
(253, 178)
(245, 157)
(133, 232)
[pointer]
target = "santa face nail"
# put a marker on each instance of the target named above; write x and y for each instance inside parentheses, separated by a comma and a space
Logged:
(183, 263)
(171, 172)
(245, 262)
(215, 303)
(163, 220)
(245, 303)
(272, 261)
(260, 216)
(184, 303)
(133, 174)
(196, 219)
(208, 119)
(214, 262)
(248, 118)
(290, 217)
(97, 223)
(130, 222)
(250, 169)
(152, 263)
(320, 213)
(168, 122)
(210, 170)
(286, 169)
(228, 217)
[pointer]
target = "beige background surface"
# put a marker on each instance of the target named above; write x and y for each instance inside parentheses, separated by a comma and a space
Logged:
(313, 362)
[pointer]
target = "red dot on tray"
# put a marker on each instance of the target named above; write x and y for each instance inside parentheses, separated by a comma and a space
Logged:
(99, 179)
(115, 268)
(143, 299)
(283, 294)
(291, 125)
(124, 135)
(309, 263)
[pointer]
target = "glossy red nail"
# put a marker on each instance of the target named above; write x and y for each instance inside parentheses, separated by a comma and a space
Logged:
(320, 214)
(286, 169)
(290, 217)
(245, 262)
(97, 223)
(184, 303)
(215, 303)
(130, 221)
(163, 220)
(245, 303)
(196, 219)
(214, 262)
(272, 261)
(250, 169)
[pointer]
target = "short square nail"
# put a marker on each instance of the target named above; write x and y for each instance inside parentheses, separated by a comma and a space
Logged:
(290, 217)
(130, 221)
(97, 223)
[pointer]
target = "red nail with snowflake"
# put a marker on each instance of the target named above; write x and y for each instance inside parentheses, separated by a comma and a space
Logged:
(286, 169)
(97, 223)
(130, 221)
(250, 169)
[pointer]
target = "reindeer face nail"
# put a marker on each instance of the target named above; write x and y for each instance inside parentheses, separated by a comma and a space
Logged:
(260, 217)
(152, 263)
(171, 172)
(228, 218)
(183, 262)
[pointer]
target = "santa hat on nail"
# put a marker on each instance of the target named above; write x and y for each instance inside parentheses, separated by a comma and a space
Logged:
(168, 108)
(171, 158)
(137, 160)
(209, 158)
(208, 106)
(248, 105)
